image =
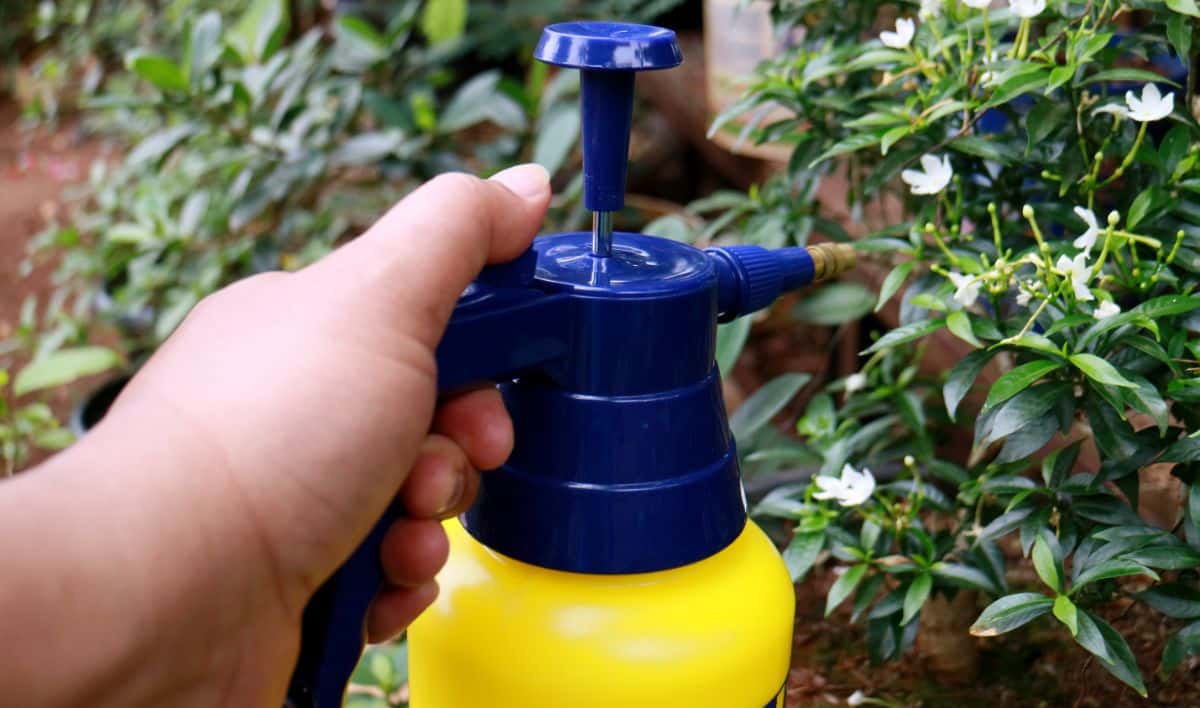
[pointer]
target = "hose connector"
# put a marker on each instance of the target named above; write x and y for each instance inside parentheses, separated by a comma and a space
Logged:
(831, 259)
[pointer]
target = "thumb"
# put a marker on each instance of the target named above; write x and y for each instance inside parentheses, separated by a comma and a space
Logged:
(417, 259)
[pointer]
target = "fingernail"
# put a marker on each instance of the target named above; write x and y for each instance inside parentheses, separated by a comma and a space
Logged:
(529, 180)
(455, 494)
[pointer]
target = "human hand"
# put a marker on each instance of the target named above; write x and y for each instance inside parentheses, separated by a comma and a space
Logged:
(259, 445)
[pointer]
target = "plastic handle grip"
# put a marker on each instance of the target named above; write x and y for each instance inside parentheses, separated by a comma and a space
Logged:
(520, 328)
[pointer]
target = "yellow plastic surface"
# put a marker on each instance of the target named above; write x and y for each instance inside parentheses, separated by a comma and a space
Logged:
(506, 634)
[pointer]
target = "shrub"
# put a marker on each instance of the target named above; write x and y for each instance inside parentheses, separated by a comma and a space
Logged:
(1046, 171)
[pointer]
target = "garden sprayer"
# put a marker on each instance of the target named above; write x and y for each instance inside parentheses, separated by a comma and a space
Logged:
(610, 561)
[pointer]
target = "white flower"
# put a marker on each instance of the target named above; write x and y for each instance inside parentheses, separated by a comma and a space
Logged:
(851, 489)
(1079, 272)
(856, 699)
(930, 8)
(903, 35)
(1151, 106)
(1107, 309)
(978, 4)
(1114, 108)
(933, 176)
(856, 382)
(1088, 238)
(1026, 9)
(966, 288)
(1024, 296)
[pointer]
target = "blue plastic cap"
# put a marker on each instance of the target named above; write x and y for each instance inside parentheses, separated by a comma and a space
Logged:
(608, 46)
(607, 54)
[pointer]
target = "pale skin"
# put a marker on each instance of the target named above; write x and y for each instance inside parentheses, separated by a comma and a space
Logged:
(166, 558)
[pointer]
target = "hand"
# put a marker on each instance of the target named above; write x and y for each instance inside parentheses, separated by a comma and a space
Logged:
(255, 450)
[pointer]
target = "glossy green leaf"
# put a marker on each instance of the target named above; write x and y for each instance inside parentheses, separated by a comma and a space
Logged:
(802, 552)
(1114, 568)
(959, 325)
(1045, 564)
(62, 367)
(1100, 371)
(1184, 7)
(1173, 600)
(260, 30)
(731, 338)
(892, 283)
(907, 333)
(1019, 379)
(965, 576)
(558, 131)
(1088, 636)
(1120, 662)
(962, 378)
(1024, 408)
(915, 597)
(835, 303)
(1010, 612)
(1181, 645)
(1066, 612)
(843, 586)
(760, 407)
(160, 71)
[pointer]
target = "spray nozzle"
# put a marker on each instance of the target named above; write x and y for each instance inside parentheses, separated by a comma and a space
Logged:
(607, 54)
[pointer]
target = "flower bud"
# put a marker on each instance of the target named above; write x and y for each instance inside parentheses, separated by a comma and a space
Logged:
(1027, 211)
(1113, 217)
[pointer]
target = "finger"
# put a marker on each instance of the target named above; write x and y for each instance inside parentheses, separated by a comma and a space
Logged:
(422, 254)
(396, 608)
(442, 481)
(478, 422)
(413, 551)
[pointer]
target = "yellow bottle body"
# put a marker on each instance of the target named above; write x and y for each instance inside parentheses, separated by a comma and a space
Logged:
(505, 634)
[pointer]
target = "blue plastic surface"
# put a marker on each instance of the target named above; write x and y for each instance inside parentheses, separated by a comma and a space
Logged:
(609, 46)
(607, 54)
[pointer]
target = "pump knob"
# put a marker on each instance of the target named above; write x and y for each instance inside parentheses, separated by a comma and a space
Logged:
(607, 54)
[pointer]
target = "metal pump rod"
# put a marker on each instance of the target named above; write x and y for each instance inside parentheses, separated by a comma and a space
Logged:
(602, 233)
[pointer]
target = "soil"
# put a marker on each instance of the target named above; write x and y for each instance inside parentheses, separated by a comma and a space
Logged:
(1036, 666)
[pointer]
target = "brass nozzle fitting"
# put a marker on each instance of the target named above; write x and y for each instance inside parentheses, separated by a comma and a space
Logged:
(831, 259)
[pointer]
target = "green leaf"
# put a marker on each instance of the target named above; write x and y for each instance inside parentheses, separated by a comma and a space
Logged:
(1182, 450)
(1179, 32)
(367, 148)
(1024, 408)
(1024, 82)
(1059, 76)
(557, 132)
(892, 283)
(1019, 379)
(959, 325)
(205, 43)
(962, 377)
(843, 586)
(1046, 565)
(1168, 305)
(1010, 612)
(914, 599)
(851, 144)
(260, 30)
(982, 147)
(1120, 662)
(1128, 74)
(1100, 371)
(802, 552)
(835, 303)
(1067, 613)
(1088, 636)
(155, 146)
(1181, 645)
(1173, 557)
(358, 44)
(1113, 568)
(1184, 7)
(1006, 522)
(907, 333)
(1173, 600)
(965, 576)
(443, 20)
(160, 71)
(758, 410)
(62, 367)
(731, 338)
